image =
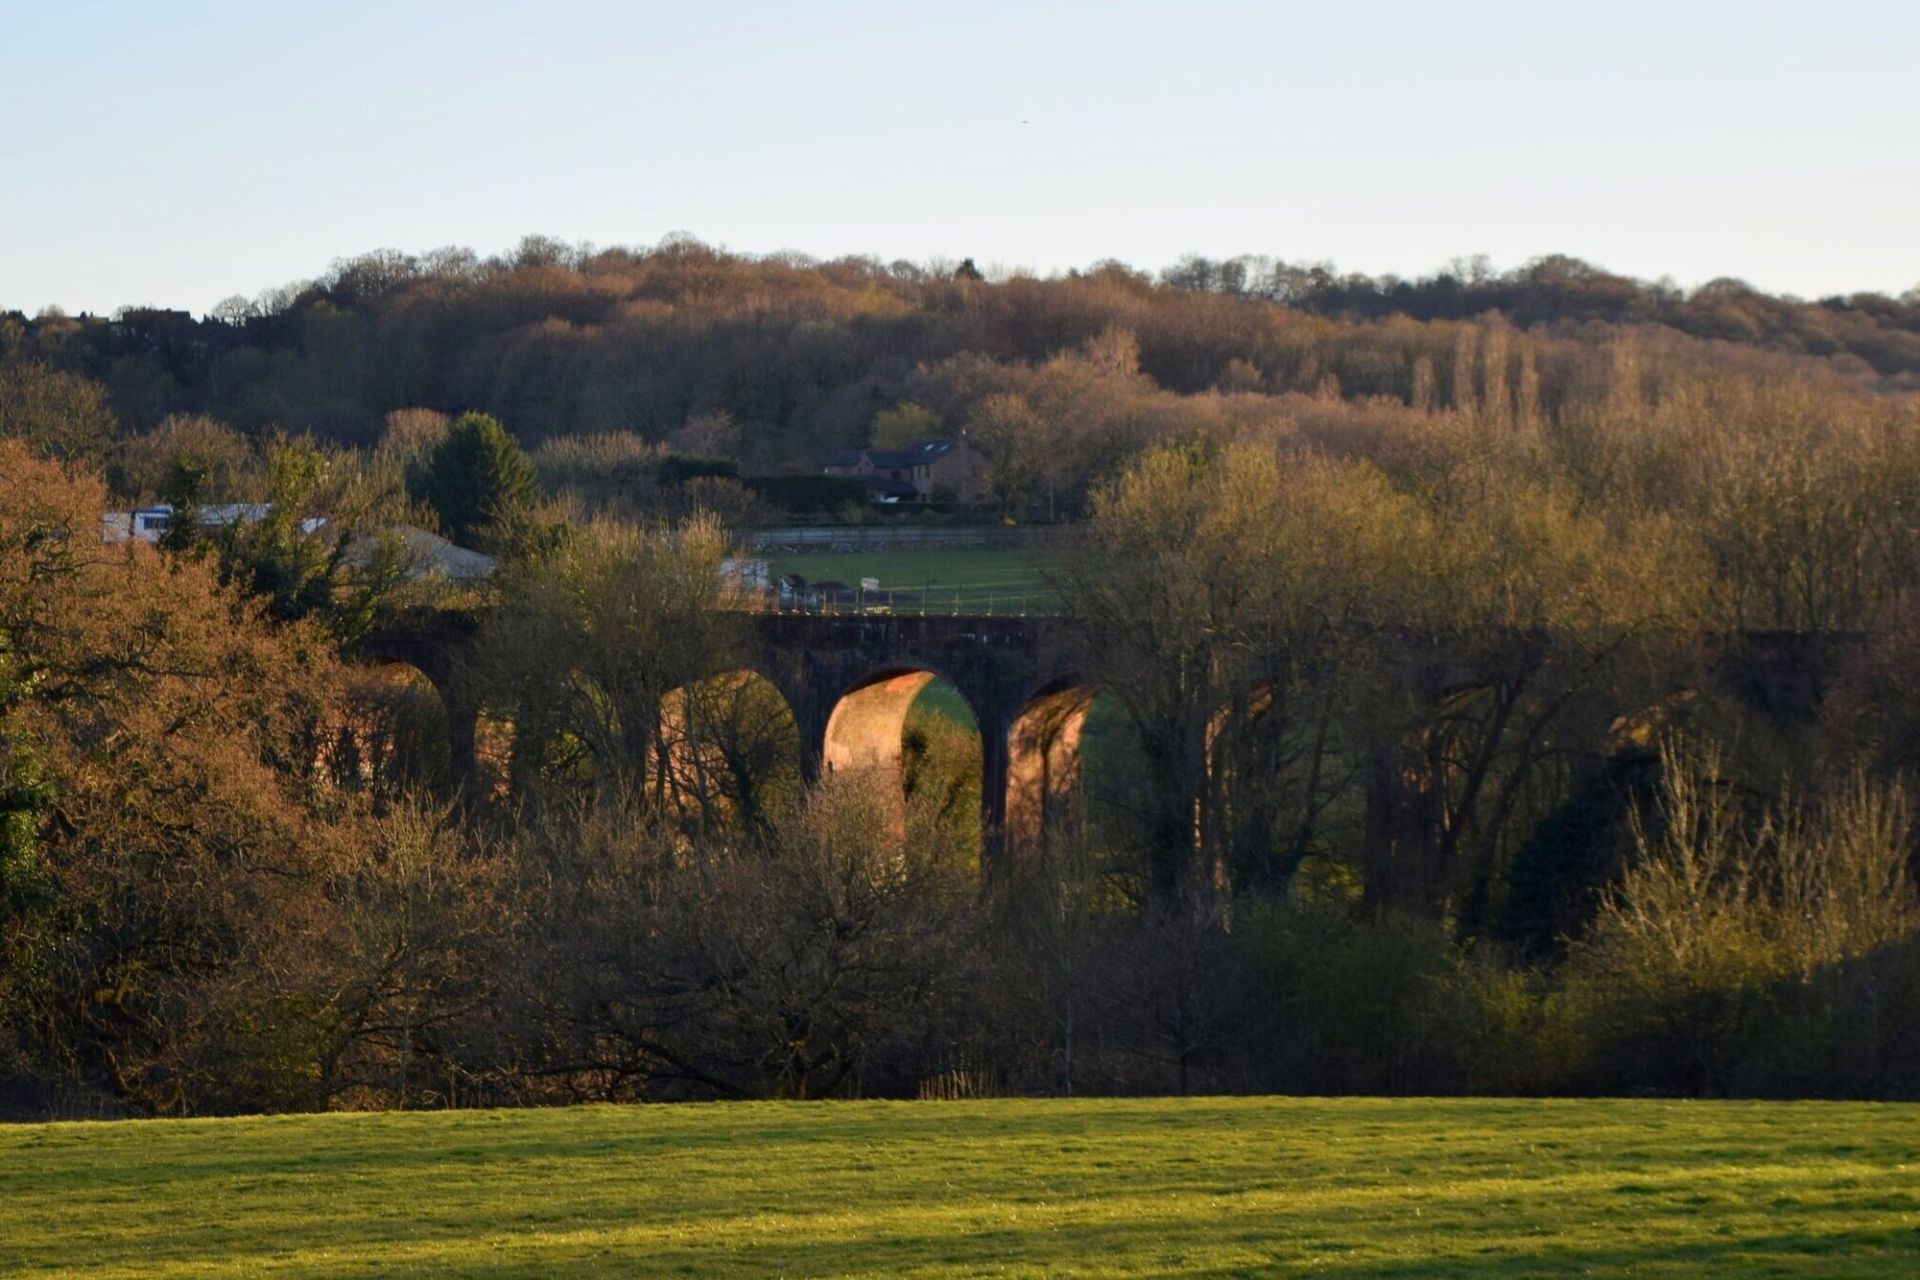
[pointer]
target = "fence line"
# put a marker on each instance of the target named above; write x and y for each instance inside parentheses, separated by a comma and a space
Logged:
(870, 537)
(939, 603)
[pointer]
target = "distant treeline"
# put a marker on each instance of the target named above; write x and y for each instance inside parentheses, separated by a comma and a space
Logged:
(790, 356)
(1880, 331)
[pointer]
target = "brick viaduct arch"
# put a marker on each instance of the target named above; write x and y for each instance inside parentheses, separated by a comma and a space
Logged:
(430, 640)
(849, 681)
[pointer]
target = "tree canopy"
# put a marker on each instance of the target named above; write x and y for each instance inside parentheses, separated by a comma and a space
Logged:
(477, 479)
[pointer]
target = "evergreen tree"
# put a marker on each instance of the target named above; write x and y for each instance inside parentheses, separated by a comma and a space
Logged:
(477, 479)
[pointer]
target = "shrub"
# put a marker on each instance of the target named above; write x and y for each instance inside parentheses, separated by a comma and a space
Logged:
(1332, 1003)
(1750, 947)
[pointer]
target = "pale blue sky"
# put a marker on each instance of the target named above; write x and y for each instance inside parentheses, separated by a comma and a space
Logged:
(175, 153)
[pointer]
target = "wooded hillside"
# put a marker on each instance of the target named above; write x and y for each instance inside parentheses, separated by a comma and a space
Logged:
(773, 359)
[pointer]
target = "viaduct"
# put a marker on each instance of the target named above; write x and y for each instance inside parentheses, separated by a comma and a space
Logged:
(849, 680)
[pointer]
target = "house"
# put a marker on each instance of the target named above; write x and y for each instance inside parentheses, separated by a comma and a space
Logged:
(791, 591)
(924, 471)
(426, 555)
(749, 575)
(149, 524)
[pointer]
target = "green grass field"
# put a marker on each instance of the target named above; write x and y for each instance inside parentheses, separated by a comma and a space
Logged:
(1000, 580)
(1019, 1188)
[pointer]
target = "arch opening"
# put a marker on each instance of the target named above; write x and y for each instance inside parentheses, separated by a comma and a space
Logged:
(393, 733)
(495, 740)
(1281, 787)
(1106, 817)
(730, 750)
(1044, 764)
(916, 733)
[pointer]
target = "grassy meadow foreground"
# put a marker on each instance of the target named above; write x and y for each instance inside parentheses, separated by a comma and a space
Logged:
(1096, 1188)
